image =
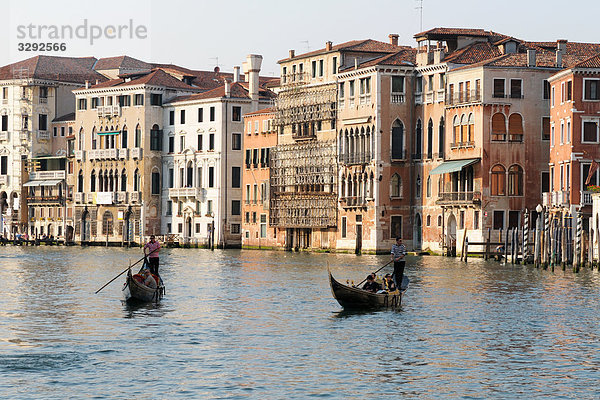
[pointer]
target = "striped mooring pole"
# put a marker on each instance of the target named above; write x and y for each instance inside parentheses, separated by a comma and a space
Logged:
(576, 259)
(526, 236)
(546, 249)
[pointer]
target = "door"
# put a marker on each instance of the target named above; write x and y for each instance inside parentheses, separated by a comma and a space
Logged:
(451, 235)
(417, 233)
(358, 239)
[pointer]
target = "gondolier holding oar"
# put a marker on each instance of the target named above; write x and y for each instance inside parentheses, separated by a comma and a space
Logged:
(398, 253)
(151, 249)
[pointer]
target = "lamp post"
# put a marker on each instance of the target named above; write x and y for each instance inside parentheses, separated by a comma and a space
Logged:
(538, 228)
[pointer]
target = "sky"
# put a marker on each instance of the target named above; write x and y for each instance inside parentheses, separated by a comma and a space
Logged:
(203, 34)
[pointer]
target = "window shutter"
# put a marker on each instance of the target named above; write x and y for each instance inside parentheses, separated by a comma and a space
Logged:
(499, 123)
(515, 124)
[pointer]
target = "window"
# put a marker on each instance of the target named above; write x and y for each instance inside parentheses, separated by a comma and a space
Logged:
(515, 181)
(585, 170)
(138, 136)
(169, 208)
(200, 114)
(82, 104)
(568, 131)
(515, 128)
(461, 220)
(4, 165)
(255, 193)
(396, 226)
(235, 229)
(155, 99)
(546, 89)
(334, 66)
(552, 96)
(365, 90)
(397, 89)
(211, 141)
(569, 93)
(181, 143)
(236, 173)
(498, 181)
(43, 122)
(498, 219)
(155, 138)
(55, 131)
(590, 132)
(236, 208)
(314, 69)
(429, 186)
(95, 101)
(321, 69)
(212, 113)
(155, 183)
(62, 131)
(5, 93)
(171, 148)
(396, 186)
(199, 142)
(171, 177)
(247, 217)
(236, 141)
(248, 158)
(545, 128)
(351, 91)
(124, 101)
(514, 219)
(236, 113)
(247, 194)
(4, 123)
(545, 182)
(344, 227)
(211, 176)
(498, 127)
(515, 89)
(138, 100)
(263, 225)
(182, 117)
(591, 89)
(498, 88)
(476, 220)
(253, 217)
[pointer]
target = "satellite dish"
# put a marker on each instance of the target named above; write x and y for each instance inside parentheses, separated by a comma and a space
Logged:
(217, 69)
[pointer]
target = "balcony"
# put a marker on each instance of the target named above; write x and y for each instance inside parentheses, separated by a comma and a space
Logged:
(4, 136)
(465, 97)
(294, 78)
(4, 180)
(458, 198)
(24, 135)
(43, 135)
(122, 154)
(78, 197)
(398, 98)
(353, 201)
(135, 197)
(418, 98)
(361, 158)
(428, 97)
(462, 145)
(106, 111)
(189, 192)
(560, 198)
(45, 199)
(303, 136)
(80, 155)
(111, 154)
(121, 197)
(47, 175)
(440, 96)
(586, 198)
(89, 197)
(136, 153)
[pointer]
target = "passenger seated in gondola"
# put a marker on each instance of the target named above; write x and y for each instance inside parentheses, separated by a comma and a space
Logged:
(371, 285)
(389, 284)
(149, 279)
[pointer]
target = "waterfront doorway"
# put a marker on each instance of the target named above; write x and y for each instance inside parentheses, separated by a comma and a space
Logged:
(417, 238)
(358, 248)
(85, 226)
(451, 236)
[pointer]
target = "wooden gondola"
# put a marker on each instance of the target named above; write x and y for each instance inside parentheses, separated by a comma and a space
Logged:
(135, 291)
(355, 298)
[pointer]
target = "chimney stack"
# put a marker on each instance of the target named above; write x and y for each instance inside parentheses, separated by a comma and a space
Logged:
(393, 39)
(236, 74)
(561, 44)
(251, 70)
(328, 45)
(559, 58)
(531, 58)
(87, 84)
(292, 53)
(227, 88)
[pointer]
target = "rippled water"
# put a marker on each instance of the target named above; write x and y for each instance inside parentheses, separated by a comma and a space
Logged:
(257, 324)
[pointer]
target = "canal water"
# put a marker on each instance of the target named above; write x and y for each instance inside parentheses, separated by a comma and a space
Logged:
(263, 325)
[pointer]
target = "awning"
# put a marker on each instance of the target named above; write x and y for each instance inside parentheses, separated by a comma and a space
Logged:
(108, 133)
(452, 166)
(43, 183)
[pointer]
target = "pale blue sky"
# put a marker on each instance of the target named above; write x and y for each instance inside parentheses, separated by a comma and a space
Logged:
(194, 33)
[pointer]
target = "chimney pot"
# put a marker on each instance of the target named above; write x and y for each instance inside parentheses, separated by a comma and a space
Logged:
(393, 39)
(292, 53)
(328, 45)
(236, 74)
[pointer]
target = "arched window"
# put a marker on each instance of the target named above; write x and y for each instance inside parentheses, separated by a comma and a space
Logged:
(138, 136)
(428, 219)
(371, 185)
(515, 180)
(368, 155)
(100, 181)
(136, 180)
(463, 129)
(441, 138)
(455, 131)
(123, 180)
(418, 187)
(81, 139)
(515, 128)
(396, 186)
(80, 182)
(398, 140)
(498, 184)
(471, 129)
(341, 146)
(155, 138)
(124, 137)
(107, 223)
(498, 127)
(343, 187)
(439, 220)
(430, 139)
(418, 140)
(93, 138)
(429, 186)
(93, 182)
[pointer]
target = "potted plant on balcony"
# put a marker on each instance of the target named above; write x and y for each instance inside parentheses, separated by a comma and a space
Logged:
(593, 188)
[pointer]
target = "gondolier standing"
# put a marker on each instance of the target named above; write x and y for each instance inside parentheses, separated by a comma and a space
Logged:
(151, 249)
(398, 253)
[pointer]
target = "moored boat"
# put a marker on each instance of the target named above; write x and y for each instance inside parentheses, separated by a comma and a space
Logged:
(351, 297)
(135, 290)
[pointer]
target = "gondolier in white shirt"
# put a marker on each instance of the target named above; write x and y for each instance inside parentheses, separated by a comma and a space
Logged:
(398, 254)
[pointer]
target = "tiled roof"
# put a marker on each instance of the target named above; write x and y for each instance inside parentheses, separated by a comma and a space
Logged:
(65, 118)
(453, 32)
(571, 48)
(368, 46)
(64, 69)
(519, 60)
(237, 90)
(402, 57)
(270, 110)
(591, 62)
(124, 62)
(473, 53)
(157, 77)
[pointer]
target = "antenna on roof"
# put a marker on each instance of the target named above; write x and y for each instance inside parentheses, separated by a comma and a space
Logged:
(420, 8)
(307, 45)
(216, 61)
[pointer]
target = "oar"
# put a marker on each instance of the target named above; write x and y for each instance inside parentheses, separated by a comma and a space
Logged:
(107, 283)
(376, 272)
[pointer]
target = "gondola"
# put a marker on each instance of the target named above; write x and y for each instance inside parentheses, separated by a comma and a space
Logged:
(135, 291)
(357, 299)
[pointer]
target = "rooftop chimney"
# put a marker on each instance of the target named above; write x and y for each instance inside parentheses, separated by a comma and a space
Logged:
(227, 88)
(236, 74)
(393, 39)
(561, 44)
(328, 45)
(292, 53)
(251, 70)
(87, 84)
(559, 58)
(531, 58)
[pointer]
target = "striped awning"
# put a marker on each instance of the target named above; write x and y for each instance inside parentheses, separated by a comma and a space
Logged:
(49, 182)
(109, 133)
(452, 166)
